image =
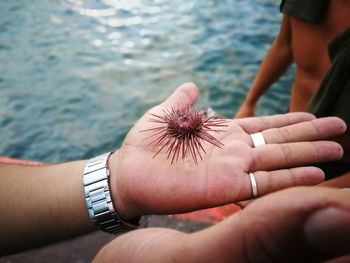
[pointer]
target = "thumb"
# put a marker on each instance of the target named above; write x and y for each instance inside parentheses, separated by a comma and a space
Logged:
(185, 95)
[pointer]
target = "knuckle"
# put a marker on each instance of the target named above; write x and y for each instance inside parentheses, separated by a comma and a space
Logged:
(286, 153)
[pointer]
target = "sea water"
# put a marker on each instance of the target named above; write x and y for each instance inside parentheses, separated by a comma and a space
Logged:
(75, 75)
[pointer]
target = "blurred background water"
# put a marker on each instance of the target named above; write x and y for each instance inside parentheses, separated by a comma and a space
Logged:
(75, 75)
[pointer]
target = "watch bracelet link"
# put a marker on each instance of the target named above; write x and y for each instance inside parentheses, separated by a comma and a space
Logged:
(98, 197)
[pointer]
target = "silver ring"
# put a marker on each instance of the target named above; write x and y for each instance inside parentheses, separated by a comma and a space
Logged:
(254, 186)
(258, 139)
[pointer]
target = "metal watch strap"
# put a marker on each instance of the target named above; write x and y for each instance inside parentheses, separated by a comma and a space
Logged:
(98, 197)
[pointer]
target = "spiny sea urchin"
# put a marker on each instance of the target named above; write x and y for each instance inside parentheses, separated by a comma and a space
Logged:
(183, 131)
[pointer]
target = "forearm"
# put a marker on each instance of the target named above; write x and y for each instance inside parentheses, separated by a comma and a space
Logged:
(54, 208)
(276, 62)
(272, 68)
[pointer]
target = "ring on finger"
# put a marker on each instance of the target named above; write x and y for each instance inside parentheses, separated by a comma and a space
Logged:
(258, 139)
(254, 185)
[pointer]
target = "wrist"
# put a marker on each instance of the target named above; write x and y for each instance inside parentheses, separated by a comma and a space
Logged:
(98, 197)
(119, 191)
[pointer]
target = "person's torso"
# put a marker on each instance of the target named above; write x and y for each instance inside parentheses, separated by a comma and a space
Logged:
(310, 50)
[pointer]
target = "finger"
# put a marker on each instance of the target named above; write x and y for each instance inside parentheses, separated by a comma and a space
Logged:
(257, 124)
(184, 95)
(267, 182)
(277, 156)
(317, 129)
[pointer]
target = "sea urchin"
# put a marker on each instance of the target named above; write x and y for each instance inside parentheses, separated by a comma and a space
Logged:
(183, 132)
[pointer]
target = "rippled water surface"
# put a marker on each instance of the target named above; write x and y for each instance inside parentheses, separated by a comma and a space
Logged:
(76, 75)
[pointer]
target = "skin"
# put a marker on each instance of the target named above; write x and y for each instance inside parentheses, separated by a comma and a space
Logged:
(295, 225)
(309, 45)
(41, 205)
(232, 163)
(306, 45)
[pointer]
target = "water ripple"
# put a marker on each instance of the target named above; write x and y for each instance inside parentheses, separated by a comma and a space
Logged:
(75, 75)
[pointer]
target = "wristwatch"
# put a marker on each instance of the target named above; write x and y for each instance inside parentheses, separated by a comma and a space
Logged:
(98, 197)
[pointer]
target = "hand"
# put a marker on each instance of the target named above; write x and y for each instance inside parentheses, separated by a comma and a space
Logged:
(246, 111)
(141, 184)
(295, 225)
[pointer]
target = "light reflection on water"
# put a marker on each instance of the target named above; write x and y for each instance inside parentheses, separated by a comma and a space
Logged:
(75, 75)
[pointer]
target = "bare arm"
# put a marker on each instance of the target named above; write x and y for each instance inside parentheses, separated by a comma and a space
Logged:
(41, 205)
(276, 62)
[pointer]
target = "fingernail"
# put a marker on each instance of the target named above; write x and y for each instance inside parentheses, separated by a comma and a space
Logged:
(329, 229)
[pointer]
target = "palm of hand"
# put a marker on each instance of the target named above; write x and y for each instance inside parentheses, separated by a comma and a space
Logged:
(145, 183)
(173, 185)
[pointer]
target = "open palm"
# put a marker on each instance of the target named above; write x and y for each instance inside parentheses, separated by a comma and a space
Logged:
(143, 183)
